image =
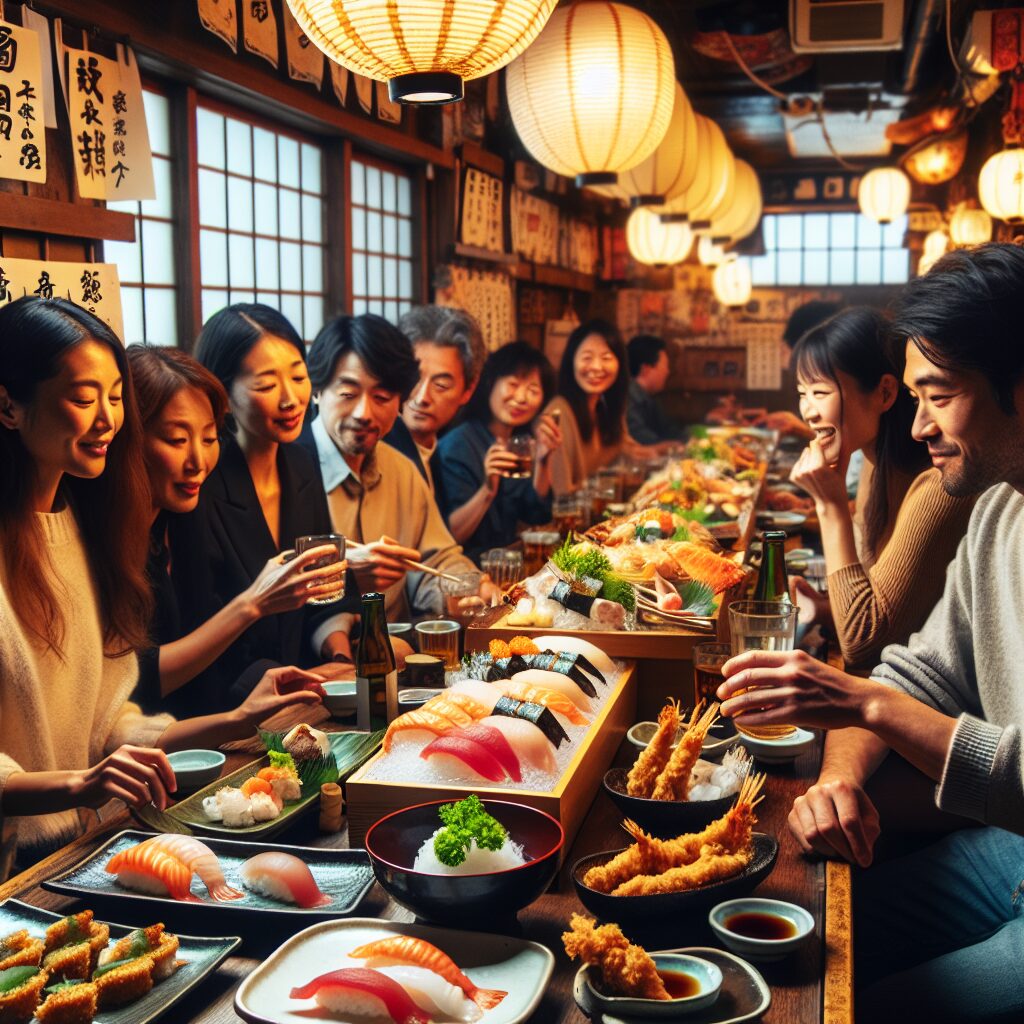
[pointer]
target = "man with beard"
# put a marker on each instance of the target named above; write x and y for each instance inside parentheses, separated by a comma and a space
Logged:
(362, 369)
(939, 930)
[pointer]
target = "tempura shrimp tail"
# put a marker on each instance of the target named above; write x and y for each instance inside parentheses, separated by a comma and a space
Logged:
(653, 758)
(674, 781)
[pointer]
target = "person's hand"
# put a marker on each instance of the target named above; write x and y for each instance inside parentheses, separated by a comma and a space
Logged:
(548, 434)
(331, 671)
(382, 564)
(498, 462)
(785, 422)
(286, 584)
(792, 688)
(490, 592)
(280, 688)
(824, 483)
(836, 818)
(136, 775)
(811, 605)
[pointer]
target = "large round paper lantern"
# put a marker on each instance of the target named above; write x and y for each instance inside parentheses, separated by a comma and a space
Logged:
(593, 96)
(702, 185)
(731, 282)
(423, 49)
(654, 243)
(744, 209)
(969, 226)
(723, 180)
(709, 252)
(935, 243)
(1001, 185)
(884, 194)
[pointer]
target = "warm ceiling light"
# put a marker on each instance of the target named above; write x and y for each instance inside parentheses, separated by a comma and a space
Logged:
(593, 96)
(884, 194)
(936, 243)
(713, 184)
(744, 210)
(926, 262)
(423, 49)
(731, 282)
(969, 226)
(709, 252)
(937, 160)
(654, 243)
(1001, 185)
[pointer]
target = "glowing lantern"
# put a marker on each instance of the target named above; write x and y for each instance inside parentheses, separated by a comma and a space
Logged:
(593, 96)
(423, 49)
(723, 180)
(1001, 185)
(884, 194)
(654, 243)
(709, 252)
(935, 243)
(926, 262)
(969, 226)
(744, 210)
(731, 282)
(936, 160)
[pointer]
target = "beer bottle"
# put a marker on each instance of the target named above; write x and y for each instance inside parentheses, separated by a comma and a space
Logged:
(376, 668)
(772, 581)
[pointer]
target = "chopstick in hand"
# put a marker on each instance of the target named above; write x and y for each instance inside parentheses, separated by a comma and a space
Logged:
(351, 545)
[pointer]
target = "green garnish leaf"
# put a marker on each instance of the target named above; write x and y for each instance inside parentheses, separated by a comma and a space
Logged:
(75, 933)
(465, 821)
(15, 977)
(138, 944)
(281, 759)
(681, 534)
(618, 590)
(61, 986)
(111, 966)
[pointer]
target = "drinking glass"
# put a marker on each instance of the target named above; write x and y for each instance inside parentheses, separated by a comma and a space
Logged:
(524, 448)
(440, 637)
(462, 595)
(762, 626)
(538, 547)
(504, 566)
(316, 540)
(567, 514)
(614, 478)
(708, 660)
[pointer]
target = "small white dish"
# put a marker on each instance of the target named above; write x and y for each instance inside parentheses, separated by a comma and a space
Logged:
(708, 977)
(415, 697)
(194, 769)
(800, 921)
(781, 750)
(340, 696)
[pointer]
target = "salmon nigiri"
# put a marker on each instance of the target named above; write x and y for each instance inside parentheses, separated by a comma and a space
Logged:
(415, 722)
(164, 865)
(466, 702)
(551, 699)
(404, 949)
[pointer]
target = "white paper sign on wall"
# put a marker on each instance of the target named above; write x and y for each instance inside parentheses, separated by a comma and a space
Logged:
(22, 117)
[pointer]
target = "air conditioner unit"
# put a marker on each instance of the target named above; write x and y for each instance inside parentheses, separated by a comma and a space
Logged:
(824, 26)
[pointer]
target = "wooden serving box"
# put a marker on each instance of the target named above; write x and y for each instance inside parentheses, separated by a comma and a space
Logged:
(569, 800)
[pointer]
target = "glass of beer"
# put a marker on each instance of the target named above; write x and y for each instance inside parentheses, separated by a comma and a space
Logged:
(462, 599)
(762, 626)
(503, 565)
(567, 514)
(538, 547)
(317, 540)
(524, 448)
(440, 637)
(708, 660)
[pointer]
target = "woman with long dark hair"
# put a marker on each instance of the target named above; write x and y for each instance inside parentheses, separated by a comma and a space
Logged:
(886, 562)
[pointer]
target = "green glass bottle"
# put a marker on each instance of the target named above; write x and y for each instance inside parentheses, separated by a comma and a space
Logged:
(772, 579)
(376, 669)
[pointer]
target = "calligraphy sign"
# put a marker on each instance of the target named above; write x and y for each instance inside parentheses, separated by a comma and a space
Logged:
(259, 27)
(22, 118)
(218, 17)
(305, 59)
(94, 286)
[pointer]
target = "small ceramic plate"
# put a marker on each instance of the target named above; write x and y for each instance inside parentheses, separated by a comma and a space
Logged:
(516, 966)
(344, 875)
(788, 521)
(720, 737)
(201, 956)
(781, 750)
(744, 994)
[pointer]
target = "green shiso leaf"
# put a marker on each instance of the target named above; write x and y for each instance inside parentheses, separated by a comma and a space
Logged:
(681, 534)
(15, 977)
(348, 751)
(112, 966)
(61, 986)
(465, 821)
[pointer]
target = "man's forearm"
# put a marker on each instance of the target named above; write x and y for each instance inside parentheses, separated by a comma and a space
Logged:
(917, 732)
(852, 754)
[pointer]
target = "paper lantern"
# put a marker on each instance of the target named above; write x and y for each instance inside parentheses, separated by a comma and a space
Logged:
(1001, 185)
(936, 243)
(654, 243)
(593, 96)
(731, 282)
(936, 160)
(709, 252)
(713, 183)
(969, 226)
(884, 194)
(926, 262)
(744, 209)
(423, 49)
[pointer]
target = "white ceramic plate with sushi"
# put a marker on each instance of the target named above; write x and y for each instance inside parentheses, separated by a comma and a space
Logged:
(515, 966)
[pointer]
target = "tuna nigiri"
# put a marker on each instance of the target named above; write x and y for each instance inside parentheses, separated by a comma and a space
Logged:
(529, 742)
(493, 740)
(164, 865)
(282, 876)
(404, 949)
(554, 681)
(431, 993)
(417, 724)
(455, 756)
(551, 699)
(363, 993)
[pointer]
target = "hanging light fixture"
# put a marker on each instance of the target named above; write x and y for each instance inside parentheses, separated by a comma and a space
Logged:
(744, 210)
(731, 282)
(723, 181)
(935, 243)
(969, 226)
(678, 209)
(926, 262)
(1001, 185)
(654, 243)
(935, 160)
(423, 49)
(709, 252)
(884, 194)
(593, 96)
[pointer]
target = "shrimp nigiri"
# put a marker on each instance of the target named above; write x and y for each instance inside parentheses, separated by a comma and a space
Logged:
(551, 699)
(164, 865)
(404, 949)
(362, 993)
(282, 876)
(432, 994)
(529, 742)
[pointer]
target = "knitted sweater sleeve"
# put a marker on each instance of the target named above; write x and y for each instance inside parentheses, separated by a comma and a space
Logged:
(132, 726)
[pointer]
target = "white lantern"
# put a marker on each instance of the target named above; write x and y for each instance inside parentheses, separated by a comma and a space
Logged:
(935, 243)
(593, 96)
(731, 282)
(423, 49)
(925, 263)
(709, 252)
(723, 181)
(654, 243)
(744, 210)
(884, 194)
(969, 226)
(1001, 185)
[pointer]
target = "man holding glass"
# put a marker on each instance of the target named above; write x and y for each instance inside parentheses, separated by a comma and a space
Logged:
(947, 918)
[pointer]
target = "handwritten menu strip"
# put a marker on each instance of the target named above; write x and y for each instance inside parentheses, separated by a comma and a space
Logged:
(482, 221)
(218, 17)
(22, 116)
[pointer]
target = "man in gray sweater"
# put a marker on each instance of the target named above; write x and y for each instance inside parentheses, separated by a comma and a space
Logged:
(940, 932)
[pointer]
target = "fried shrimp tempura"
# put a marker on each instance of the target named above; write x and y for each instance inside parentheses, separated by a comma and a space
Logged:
(653, 758)
(626, 970)
(712, 865)
(674, 781)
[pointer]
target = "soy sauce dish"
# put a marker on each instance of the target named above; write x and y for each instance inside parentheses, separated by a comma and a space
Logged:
(693, 983)
(761, 929)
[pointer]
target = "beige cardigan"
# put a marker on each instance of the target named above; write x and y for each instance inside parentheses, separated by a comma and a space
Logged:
(576, 459)
(61, 714)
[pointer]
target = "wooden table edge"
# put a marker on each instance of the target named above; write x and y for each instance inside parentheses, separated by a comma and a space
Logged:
(837, 1007)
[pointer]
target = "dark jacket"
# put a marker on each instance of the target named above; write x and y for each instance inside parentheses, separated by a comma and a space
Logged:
(401, 440)
(647, 421)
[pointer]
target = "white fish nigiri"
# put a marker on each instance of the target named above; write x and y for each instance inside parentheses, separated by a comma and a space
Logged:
(554, 681)
(577, 645)
(430, 992)
(485, 693)
(529, 742)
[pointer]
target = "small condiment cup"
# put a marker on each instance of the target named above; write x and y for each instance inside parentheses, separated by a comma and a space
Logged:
(707, 975)
(761, 949)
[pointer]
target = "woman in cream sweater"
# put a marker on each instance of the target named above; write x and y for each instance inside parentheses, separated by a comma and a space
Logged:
(74, 601)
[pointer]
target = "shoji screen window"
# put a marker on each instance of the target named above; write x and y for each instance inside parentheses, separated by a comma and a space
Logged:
(261, 219)
(145, 267)
(383, 252)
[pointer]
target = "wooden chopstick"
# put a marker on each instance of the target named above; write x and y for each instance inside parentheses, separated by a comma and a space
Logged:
(356, 546)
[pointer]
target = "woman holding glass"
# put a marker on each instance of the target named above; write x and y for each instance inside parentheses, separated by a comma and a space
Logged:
(496, 464)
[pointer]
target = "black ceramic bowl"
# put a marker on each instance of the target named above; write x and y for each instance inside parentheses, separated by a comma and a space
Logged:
(646, 911)
(665, 819)
(394, 841)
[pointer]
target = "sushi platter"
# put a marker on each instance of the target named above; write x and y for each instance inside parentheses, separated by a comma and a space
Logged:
(341, 877)
(508, 976)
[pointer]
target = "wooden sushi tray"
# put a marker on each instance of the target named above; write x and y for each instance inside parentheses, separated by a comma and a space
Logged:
(568, 801)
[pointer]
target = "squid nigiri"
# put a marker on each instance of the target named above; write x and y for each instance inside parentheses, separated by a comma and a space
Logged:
(529, 742)
(551, 699)
(164, 865)
(282, 876)
(431, 993)
(419, 723)
(404, 949)
(363, 993)
(554, 681)
(493, 740)
(455, 756)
